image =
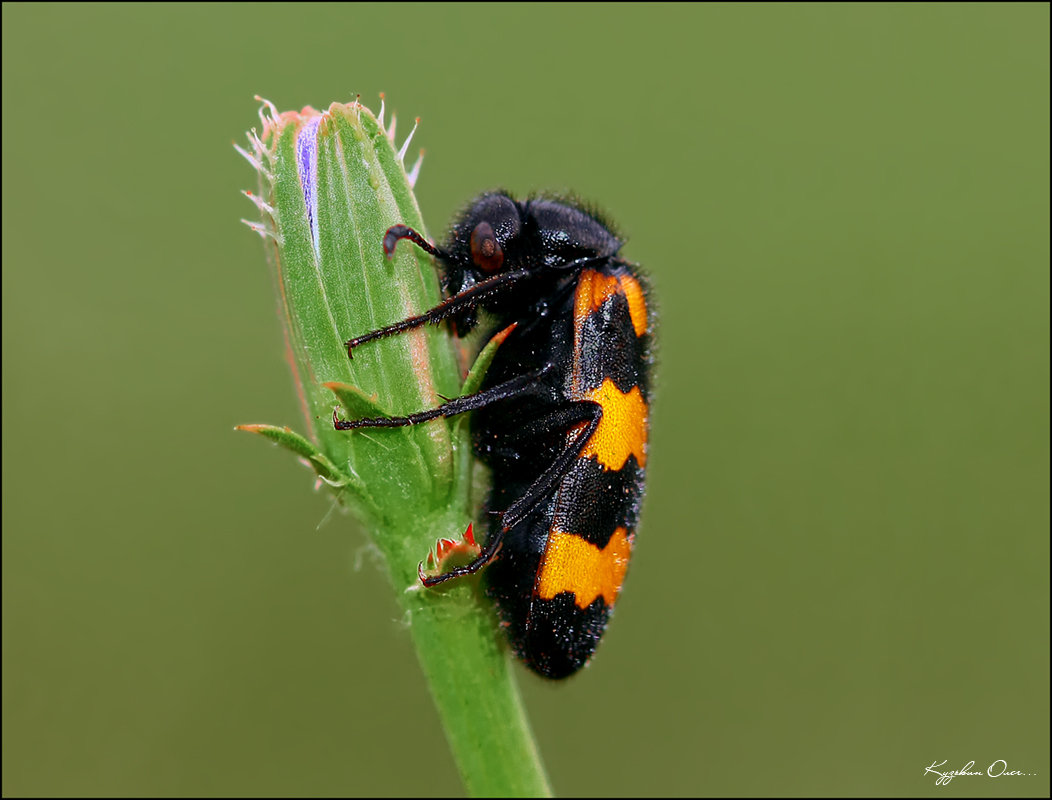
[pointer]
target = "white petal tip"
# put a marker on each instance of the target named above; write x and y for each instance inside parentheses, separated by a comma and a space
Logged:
(408, 139)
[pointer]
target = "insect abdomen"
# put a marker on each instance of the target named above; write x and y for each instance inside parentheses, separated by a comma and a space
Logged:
(561, 569)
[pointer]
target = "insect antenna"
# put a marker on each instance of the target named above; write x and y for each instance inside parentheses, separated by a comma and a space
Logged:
(397, 232)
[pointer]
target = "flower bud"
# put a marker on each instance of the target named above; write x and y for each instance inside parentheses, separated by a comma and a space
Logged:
(330, 185)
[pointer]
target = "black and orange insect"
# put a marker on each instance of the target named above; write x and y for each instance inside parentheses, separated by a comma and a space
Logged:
(561, 418)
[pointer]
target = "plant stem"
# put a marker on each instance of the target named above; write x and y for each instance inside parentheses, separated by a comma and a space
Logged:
(330, 185)
(470, 676)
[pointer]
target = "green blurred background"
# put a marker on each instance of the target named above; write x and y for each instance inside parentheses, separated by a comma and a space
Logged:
(842, 575)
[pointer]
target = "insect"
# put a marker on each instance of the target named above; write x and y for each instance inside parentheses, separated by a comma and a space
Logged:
(561, 418)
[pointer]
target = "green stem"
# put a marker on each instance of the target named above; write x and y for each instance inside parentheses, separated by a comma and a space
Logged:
(469, 673)
(330, 185)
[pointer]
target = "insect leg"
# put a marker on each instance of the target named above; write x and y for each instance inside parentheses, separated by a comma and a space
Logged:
(584, 411)
(489, 552)
(466, 300)
(459, 405)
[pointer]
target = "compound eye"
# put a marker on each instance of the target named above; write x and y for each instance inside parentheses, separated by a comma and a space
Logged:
(485, 251)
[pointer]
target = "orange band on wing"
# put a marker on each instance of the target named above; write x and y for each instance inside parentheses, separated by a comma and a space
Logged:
(622, 431)
(593, 289)
(637, 304)
(571, 564)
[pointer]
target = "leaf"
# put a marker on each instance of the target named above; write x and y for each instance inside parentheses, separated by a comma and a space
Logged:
(303, 447)
(355, 402)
